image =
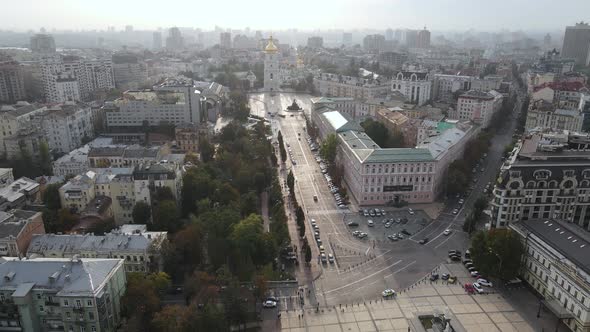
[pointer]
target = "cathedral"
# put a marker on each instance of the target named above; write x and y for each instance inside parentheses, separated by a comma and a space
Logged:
(272, 80)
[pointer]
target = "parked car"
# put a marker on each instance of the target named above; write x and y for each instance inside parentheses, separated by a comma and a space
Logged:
(392, 237)
(475, 274)
(423, 241)
(452, 279)
(434, 277)
(330, 258)
(447, 232)
(370, 223)
(410, 211)
(353, 224)
(323, 258)
(388, 293)
(484, 282)
(445, 276)
(478, 288)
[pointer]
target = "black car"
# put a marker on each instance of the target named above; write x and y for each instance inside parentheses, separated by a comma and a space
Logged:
(353, 224)
(423, 241)
(455, 258)
(406, 232)
(434, 277)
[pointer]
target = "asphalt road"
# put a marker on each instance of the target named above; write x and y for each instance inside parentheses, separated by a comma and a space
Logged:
(363, 268)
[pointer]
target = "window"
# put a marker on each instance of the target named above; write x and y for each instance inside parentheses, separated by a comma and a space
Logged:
(93, 328)
(66, 303)
(91, 315)
(39, 296)
(89, 303)
(68, 315)
(41, 308)
(78, 303)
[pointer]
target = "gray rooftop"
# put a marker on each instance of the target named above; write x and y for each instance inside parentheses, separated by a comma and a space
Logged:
(46, 244)
(84, 277)
(571, 241)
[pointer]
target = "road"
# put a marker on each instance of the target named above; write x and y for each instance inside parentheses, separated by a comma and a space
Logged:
(371, 265)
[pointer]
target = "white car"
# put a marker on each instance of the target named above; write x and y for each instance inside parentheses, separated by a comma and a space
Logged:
(388, 292)
(410, 211)
(447, 232)
(370, 223)
(484, 282)
(455, 211)
(269, 304)
(478, 288)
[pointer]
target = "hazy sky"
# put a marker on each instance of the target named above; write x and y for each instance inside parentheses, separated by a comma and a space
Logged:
(302, 14)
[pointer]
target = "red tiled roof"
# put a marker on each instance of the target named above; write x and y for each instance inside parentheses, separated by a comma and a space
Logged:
(561, 86)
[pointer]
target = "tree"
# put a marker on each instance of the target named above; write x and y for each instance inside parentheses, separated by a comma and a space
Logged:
(260, 288)
(307, 249)
(291, 181)
(51, 196)
(45, 159)
(142, 213)
(329, 147)
(377, 131)
(172, 318)
(300, 215)
(206, 149)
(166, 217)
(141, 300)
(282, 150)
(497, 253)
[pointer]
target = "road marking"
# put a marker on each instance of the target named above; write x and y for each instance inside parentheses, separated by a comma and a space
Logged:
(401, 269)
(448, 238)
(367, 252)
(357, 281)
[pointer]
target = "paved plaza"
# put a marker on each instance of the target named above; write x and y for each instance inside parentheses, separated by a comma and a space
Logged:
(488, 312)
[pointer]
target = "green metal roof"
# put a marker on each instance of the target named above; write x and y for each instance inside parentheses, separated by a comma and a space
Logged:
(443, 126)
(399, 154)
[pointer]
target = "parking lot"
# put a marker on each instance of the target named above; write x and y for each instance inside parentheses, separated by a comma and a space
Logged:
(394, 223)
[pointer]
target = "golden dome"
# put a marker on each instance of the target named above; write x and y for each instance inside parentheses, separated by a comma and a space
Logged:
(270, 47)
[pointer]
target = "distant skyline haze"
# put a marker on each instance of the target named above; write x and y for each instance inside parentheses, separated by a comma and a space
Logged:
(437, 15)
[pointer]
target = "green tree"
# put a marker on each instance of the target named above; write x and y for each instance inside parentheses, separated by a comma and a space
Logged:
(329, 147)
(282, 150)
(291, 181)
(307, 249)
(377, 131)
(206, 149)
(45, 159)
(142, 213)
(497, 253)
(140, 301)
(51, 196)
(166, 217)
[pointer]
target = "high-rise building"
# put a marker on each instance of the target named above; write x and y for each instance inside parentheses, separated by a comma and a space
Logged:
(129, 71)
(423, 39)
(42, 44)
(225, 40)
(576, 43)
(347, 38)
(374, 43)
(547, 42)
(411, 38)
(157, 40)
(315, 42)
(12, 85)
(272, 81)
(174, 41)
(389, 34)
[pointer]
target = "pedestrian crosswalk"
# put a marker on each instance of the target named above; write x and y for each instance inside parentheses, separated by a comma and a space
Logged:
(325, 212)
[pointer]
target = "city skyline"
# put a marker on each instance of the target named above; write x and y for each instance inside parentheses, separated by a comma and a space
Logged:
(437, 15)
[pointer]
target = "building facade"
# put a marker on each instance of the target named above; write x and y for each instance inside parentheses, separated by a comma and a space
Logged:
(42, 44)
(12, 82)
(555, 265)
(129, 71)
(478, 107)
(67, 126)
(272, 81)
(415, 86)
(546, 176)
(17, 228)
(334, 85)
(576, 43)
(61, 294)
(543, 114)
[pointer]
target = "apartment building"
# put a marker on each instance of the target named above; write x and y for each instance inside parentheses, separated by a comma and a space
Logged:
(12, 82)
(16, 117)
(477, 106)
(123, 156)
(565, 95)
(556, 266)
(67, 126)
(148, 177)
(543, 114)
(415, 86)
(188, 135)
(445, 86)
(139, 252)
(17, 228)
(547, 176)
(173, 102)
(57, 294)
(129, 71)
(42, 44)
(334, 85)
(18, 194)
(576, 43)
(78, 191)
